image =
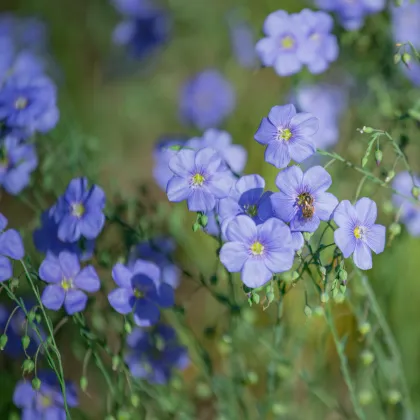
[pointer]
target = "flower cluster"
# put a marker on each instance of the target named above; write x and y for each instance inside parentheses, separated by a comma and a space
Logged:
(352, 13)
(292, 41)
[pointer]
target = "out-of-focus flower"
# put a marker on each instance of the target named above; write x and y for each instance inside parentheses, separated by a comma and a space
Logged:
(246, 197)
(243, 42)
(140, 292)
(234, 155)
(79, 211)
(11, 246)
(47, 402)
(17, 162)
(352, 13)
(303, 200)
(357, 233)
(257, 251)
(144, 28)
(206, 100)
(200, 178)
(152, 355)
(68, 282)
(46, 239)
(287, 134)
(158, 251)
(410, 211)
(327, 103)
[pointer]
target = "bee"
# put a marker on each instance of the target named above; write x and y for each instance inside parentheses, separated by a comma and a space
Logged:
(307, 206)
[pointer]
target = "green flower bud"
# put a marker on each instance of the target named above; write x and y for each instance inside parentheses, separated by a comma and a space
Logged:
(31, 315)
(252, 377)
(308, 311)
(83, 383)
(28, 366)
(342, 274)
(203, 391)
(415, 191)
(406, 58)
(196, 226)
(395, 229)
(339, 298)
(367, 130)
(135, 400)
(364, 328)
(115, 362)
(367, 357)
(256, 298)
(394, 396)
(204, 220)
(318, 311)
(365, 397)
(364, 161)
(270, 296)
(324, 297)
(279, 409)
(378, 156)
(123, 415)
(307, 236)
(3, 341)
(397, 58)
(36, 384)
(390, 176)
(25, 342)
(127, 327)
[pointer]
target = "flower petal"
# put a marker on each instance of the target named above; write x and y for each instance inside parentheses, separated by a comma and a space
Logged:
(317, 179)
(255, 273)
(69, 264)
(266, 133)
(375, 238)
(289, 181)
(50, 270)
(297, 240)
(178, 189)
(242, 229)
(281, 115)
(76, 189)
(345, 240)
(201, 199)
(146, 313)
(166, 297)
(88, 279)
(284, 207)
(302, 224)
(280, 260)
(325, 204)
(366, 211)
(120, 300)
(301, 149)
(267, 51)
(345, 215)
(6, 269)
(69, 229)
(275, 22)
(92, 223)
(122, 275)
(287, 64)
(277, 153)
(304, 124)
(75, 301)
(220, 184)
(53, 297)
(207, 160)
(183, 163)
(228, 207)
(149, 269)
(24, 395)
(233, 256)
(362, 256)
(11, 244)
(273, 234)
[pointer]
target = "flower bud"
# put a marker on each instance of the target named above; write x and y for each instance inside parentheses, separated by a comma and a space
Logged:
(31, 315)
(397, 58)
(270, 296)
(365, 397)
(25, 342)
(395, 229)
(308, 311)
(135, 400)
(83, 383)
(252, 377)
(115, 362)
(365, 161)
(415, 191)
(378, 156)
(318, 311)
(36, 384)
(324, 297)
(28, 366)
(256, 298)
(203, 391)
(406, 58)
(367, 357)
(390, 176)
(123, 415)
(279, 409)
(367, 130)
(127, 327)
(393, 396)
(3, 341)
(364, 328)
(339, 298)
(342, 274)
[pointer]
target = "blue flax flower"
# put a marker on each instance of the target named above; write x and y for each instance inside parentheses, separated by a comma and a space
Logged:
(352, 13)
(17, 161)
(68, 282)
(243, 42)
(200, 178)
(303, 200)
(206, 100)
(152, 355)
(257, 252)
(144, 28)
(46, 403)
(357, 233)
(28, 104)
(46, 240)
(409, 210)
(159, 251)
(287, 134)
(141, 292)
(234, 155)
(79, 211)
(11, 246)
(246, 197)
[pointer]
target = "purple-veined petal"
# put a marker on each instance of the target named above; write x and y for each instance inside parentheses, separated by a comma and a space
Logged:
(304, 124)
(122, 275)
(149, 269)
(281, 115)
(236, 156)
(255, 273)
(53, 297)
(95, 199)
(91, 224)
(201, 200)
(207, 160)
(88, 280)
(249, 182)
(120, 300)
(146, 313)
(317, 179)
(345, 215)
(233, 256)
(277, 153)
(178, 189)
(325, 204)
(69, 229)
(76, 189)
(11, 244)
(274, 234)
(266, 133)
(345, 240)
(362, 256)
(220, 184)
(366, 211)
(6, 269)
(289, 181)
(228, 207)
(302, 224)
(283, 206)
(265, 208)
(242, 229)
(69, 264)
(183, 163)
(375, 238)
(50, 270)
(301, 148)
(75, 301)
(279, 260)
(297, 240)
(165, 297)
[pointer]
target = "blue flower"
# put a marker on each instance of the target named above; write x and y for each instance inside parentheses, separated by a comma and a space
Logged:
(257, 252)
(28, 103)
(158, 251)
(326, 103)
(152, 355)
(234, 155)
(303, 200)
(11, 246)
(409, 211)
(140, 292)
(144, 28)
(246, 197)
(206, 100)
(357, 233)
(352, 13)
(79, 211)
(47, 402)
(68, 282)
(46, 239)
(243, 44)
(287, 134)
(17, 162)
(200, 178)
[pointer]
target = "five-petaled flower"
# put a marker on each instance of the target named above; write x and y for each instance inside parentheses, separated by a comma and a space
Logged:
(357, 233)
(79, 211)
(68, 282)
(257, 251)
(200, 178)
(140, 292)
(303, 200)
(287, 134)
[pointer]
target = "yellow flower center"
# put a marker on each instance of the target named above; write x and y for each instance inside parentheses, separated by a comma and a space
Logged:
(46, 401)
(21, 103)
(198, 180)
(78, 210)
(67, 284)
(285, 134)
(358, 232)
(138, 293)
(251, 210)
(257, 248)
(287, 42)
